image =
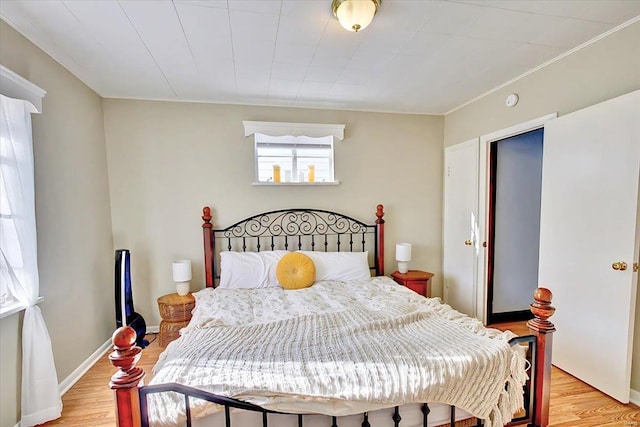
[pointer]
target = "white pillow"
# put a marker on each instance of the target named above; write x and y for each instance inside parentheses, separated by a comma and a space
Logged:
(340, 265)
(249, 270)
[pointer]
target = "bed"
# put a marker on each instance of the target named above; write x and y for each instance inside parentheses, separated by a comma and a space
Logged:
(352, 349)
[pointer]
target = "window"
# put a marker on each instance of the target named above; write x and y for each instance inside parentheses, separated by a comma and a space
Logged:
(293, 158)
(19, 99)
(293, 153)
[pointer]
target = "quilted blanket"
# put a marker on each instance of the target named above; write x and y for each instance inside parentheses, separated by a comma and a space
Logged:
(370, 342)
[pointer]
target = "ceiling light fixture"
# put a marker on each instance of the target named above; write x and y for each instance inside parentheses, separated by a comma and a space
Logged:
(355, 15)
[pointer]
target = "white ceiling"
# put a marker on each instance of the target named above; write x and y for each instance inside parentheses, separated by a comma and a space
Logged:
(417, 56)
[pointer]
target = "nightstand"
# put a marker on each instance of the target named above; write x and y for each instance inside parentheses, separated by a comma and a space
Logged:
(416, 280)
(175, 311)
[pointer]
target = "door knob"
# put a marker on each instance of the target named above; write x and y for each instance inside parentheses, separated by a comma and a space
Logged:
(468, 242)
(620, 266)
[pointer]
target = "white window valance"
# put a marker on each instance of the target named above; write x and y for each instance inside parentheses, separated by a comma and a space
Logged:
(315, 130)
(15, 86)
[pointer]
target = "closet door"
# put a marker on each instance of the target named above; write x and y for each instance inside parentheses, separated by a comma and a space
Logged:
(588, 229)
(461, 225)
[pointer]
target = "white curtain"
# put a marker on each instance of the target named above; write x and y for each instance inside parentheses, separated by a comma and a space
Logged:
(19, 262)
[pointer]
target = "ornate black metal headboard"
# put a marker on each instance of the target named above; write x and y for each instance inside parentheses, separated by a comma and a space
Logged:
(294, 229)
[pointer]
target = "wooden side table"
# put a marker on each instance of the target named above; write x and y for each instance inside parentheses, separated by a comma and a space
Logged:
(416, 280)
(175, 311)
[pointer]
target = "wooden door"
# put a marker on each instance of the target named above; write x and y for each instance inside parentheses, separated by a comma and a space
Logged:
(460, 226)
(589, 221)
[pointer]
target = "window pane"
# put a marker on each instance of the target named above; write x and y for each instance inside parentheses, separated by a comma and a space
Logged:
(265, 168)
(4, 202)
(275, 151)
(294, 155)
(314, 152)
(9, 242)
(322, 168)
(5, 296)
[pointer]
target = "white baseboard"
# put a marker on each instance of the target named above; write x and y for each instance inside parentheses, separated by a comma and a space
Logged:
(634, 397)
(73, 378)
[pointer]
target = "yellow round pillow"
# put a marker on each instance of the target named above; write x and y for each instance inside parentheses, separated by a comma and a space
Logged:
(296, 271)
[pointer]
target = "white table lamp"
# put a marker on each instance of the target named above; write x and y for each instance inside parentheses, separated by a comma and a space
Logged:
(182, 276)
(403, 256)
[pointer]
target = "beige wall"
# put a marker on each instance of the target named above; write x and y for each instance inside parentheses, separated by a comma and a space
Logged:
(75, 248)
(601, 71)
(167, 160)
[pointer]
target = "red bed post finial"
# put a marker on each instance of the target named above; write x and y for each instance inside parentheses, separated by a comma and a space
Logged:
(206, 217)
(380, 242)
(207, 230)
(126, 381)
(542, 329)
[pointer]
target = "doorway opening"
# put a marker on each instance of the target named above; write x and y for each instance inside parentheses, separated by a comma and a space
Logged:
(515, 184)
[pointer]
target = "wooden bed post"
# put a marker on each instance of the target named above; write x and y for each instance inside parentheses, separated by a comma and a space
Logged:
(380, 242)
(543, 330)
(207, 230)
(126, 381)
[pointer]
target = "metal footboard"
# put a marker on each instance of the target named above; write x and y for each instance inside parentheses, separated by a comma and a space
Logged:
(228, 403)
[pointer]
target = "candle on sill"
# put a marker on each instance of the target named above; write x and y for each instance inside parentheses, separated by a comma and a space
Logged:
(312, 173)
(276, 173)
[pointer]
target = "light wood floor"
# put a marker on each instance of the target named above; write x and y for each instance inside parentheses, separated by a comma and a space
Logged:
(89, 403)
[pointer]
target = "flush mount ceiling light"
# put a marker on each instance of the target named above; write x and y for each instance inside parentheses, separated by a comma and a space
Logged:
(355, 15)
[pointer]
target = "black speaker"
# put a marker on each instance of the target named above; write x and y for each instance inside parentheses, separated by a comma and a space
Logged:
(125, 314)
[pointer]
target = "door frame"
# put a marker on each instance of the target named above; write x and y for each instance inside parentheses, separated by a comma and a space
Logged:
(484, 202)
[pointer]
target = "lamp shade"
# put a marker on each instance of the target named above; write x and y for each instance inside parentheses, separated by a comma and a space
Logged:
(403, 252)
(355, 15)
(181, 270)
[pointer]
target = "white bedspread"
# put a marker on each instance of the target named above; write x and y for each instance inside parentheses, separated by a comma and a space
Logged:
(336, 348)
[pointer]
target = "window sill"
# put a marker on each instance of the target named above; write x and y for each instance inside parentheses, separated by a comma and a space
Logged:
(276, 184)
(8, 310)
